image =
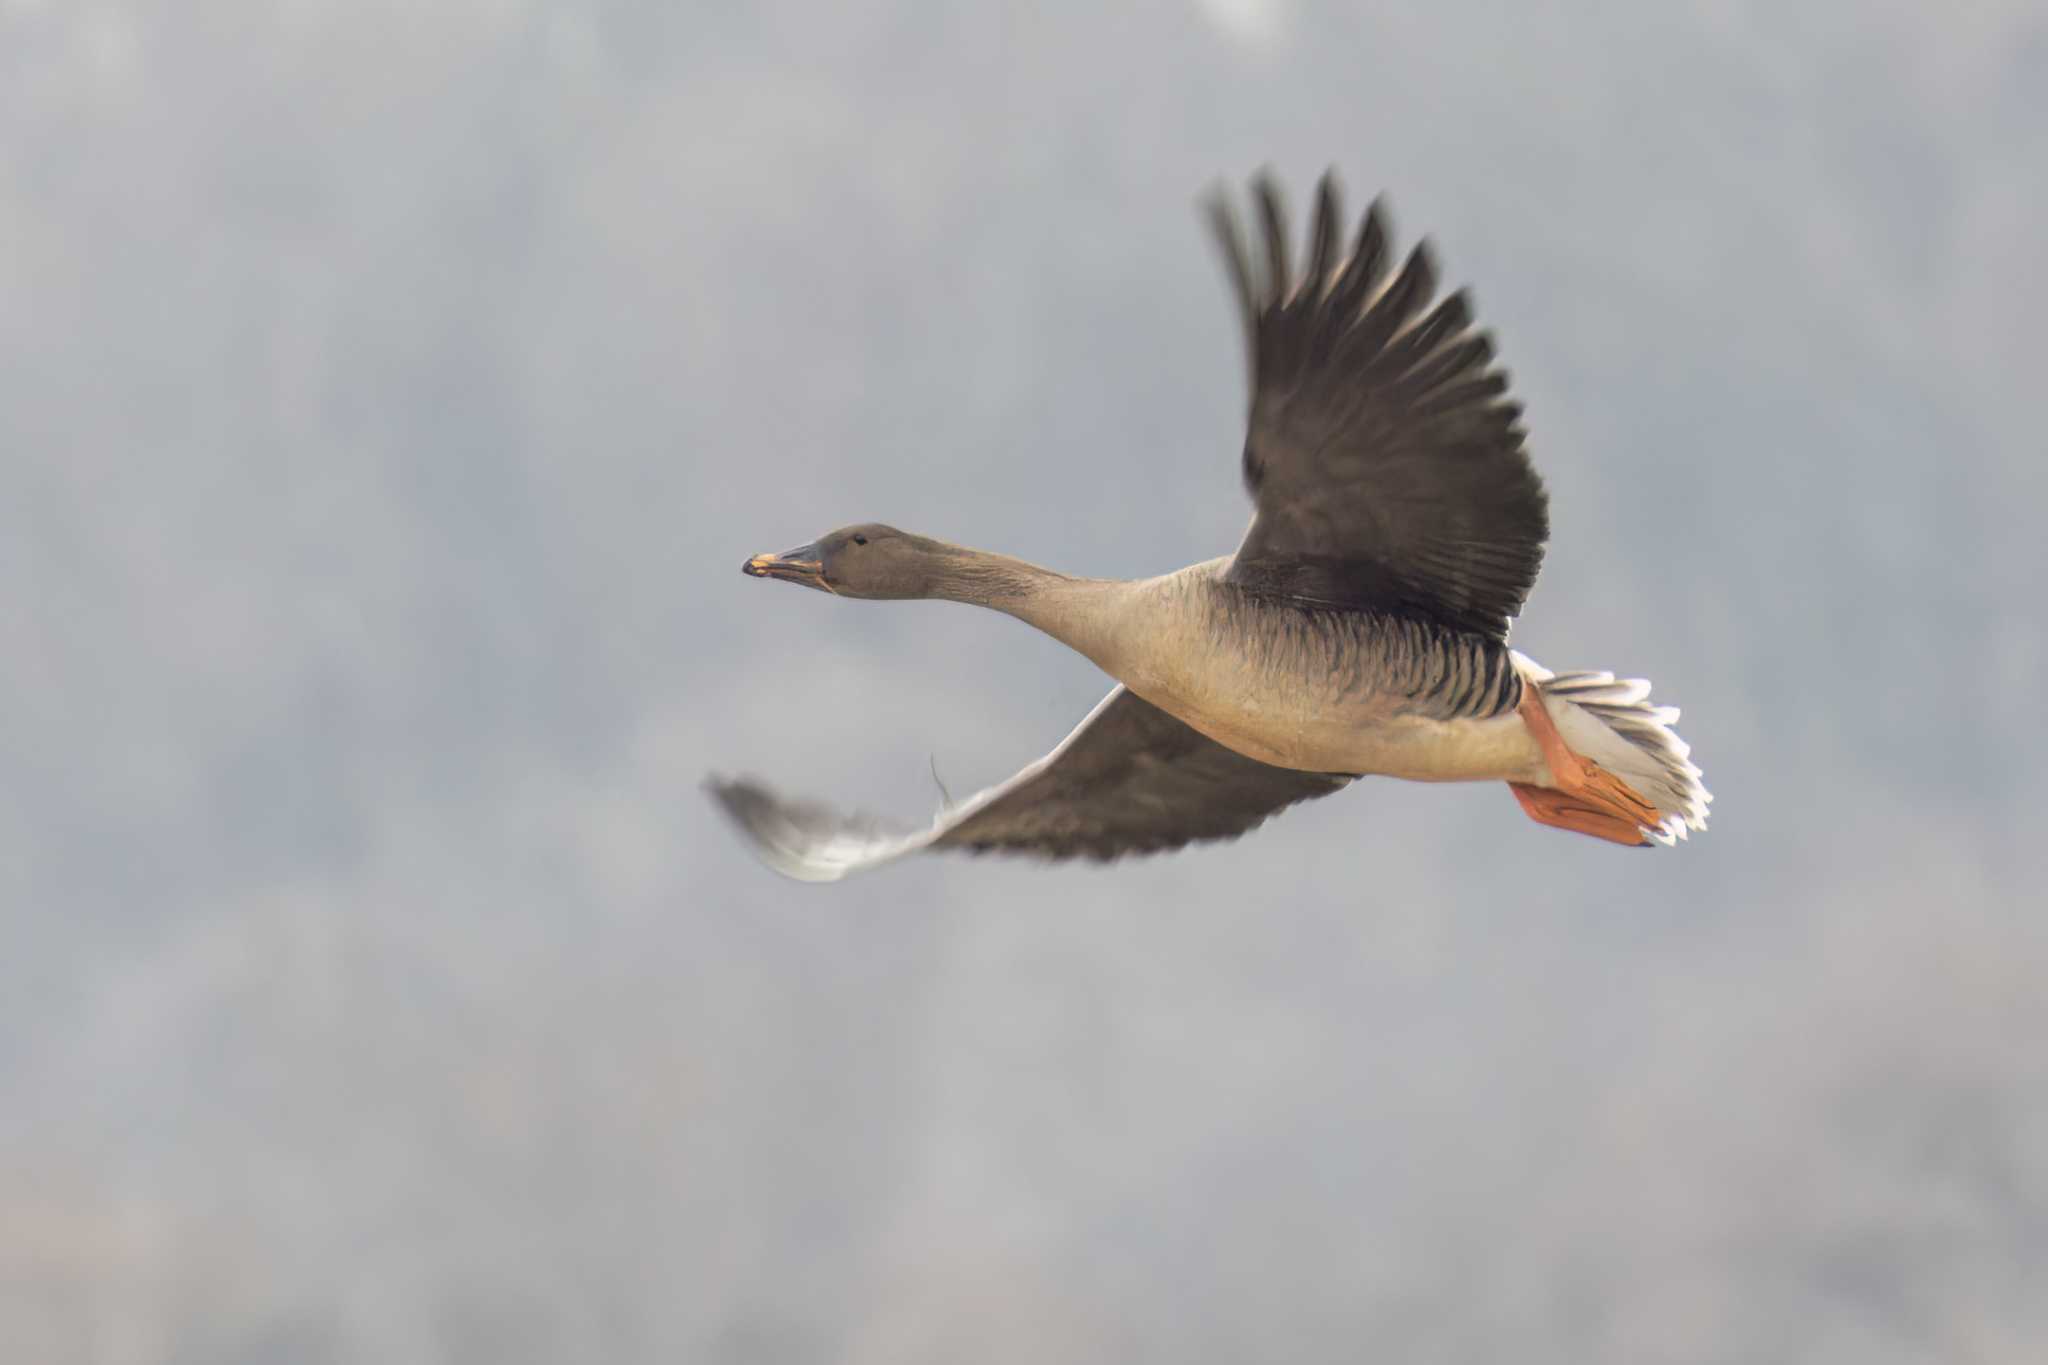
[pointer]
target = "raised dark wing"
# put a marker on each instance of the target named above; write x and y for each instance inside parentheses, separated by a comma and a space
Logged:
(1129, 779)
(1383, 457)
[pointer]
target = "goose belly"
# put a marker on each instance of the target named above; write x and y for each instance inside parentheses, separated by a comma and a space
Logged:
(1364, 738)
(1297, 718)
(1342, 692)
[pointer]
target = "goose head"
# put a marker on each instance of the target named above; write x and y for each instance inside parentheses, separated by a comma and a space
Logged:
(870, 560)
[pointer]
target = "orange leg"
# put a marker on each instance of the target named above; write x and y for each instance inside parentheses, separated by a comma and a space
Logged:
(1587, 798)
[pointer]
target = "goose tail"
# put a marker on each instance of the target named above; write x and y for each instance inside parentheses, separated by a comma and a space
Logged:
(1613, 723)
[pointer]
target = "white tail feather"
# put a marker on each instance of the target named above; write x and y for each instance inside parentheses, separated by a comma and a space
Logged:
(1612, 722)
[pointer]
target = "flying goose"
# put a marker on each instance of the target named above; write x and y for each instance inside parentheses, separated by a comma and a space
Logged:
(1360, 628)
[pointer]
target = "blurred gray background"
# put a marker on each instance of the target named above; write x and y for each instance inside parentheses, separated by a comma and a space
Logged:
(388, 396)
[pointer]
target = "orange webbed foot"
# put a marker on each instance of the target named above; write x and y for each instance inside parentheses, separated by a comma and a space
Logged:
(1587, 799)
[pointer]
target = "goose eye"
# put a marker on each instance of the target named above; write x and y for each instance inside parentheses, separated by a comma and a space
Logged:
(860, 540)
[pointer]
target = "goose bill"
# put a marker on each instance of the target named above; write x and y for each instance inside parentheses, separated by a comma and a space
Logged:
(802, 565)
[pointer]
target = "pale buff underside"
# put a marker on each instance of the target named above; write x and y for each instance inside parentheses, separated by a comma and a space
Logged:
(1276, 728)
(1158, 637)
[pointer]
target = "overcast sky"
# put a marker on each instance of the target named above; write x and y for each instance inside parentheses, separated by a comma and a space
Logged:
(387, 401)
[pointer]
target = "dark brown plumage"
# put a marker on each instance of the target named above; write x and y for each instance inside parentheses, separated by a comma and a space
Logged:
(1385, 463)
(1129, 779)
